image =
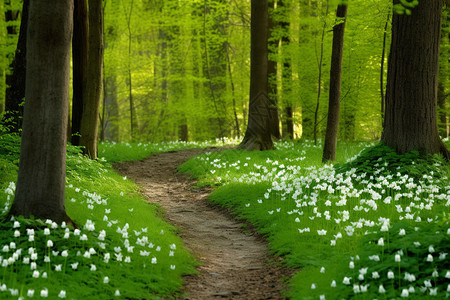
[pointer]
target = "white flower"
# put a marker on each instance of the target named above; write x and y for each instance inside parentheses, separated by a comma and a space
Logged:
(322, 270)
(447, 275)
(397, 258)
(433, 292)
(117, 293)
(16, 233)
(390, 275)
(375, 275)
(92, 251)
(402, 232)
(44, 293)
(381, 289)
(62, 294)
(44, 275)
(31, 238)
(58, 268)
(333, 283)
(46, 259)
(351, 265)
(87, 254)
(33, 266)
(127, 259)
(16, 224)
(427, 283)
(429, 258)
(106, 279)
(66, 235)
(346, 280)
(49, 243)
(93, 267)
(313, 286)
(381, 242)
(173, 246)
(322, 232)
(322, 297)
(5, 248)
(65, 253)
(83, 237)
(172, 267)
(74, 265)
(154, 261)
(46, 231)
(35, 274)
(405, 293)
(442, 256)
(356, 289)
(76, 232)
(431, 249)
(30, 293)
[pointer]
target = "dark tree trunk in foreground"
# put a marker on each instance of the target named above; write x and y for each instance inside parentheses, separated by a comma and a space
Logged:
(258, 135)
(334, 101)
(411, 95)
(42, 171)
(80, 65)
(15, 91)
(91, 104)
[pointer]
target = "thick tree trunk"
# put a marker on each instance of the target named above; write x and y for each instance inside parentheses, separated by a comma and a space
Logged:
(334, 101)
(42, 171)
(411, 95)
(15, 91)
(91, 105)
(258, 135)
(80, 65)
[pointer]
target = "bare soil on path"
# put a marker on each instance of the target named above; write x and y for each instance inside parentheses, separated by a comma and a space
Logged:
(234, 264)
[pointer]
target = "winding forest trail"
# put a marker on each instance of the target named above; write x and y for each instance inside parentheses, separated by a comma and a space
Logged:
(234, 265)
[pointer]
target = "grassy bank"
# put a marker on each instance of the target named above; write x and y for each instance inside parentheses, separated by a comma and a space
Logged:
(122, 250)
(375, 227)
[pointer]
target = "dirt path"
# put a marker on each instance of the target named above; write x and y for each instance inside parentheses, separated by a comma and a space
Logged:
(234, 265)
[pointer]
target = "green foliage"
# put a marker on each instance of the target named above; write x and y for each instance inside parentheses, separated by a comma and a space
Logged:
(382, 160)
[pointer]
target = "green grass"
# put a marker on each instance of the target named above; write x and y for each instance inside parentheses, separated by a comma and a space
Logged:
(149, 264)
(322, 219)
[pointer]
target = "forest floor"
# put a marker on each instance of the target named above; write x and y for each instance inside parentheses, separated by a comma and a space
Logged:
(235, 263)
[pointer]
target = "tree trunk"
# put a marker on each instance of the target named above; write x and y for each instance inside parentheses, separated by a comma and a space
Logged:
(15, 91)
(319, 80)
(442, 111)
(42, 172)
(272, 73)
(91, 105)
(258, 133)
(334, 101)
(80, 66)
(411, 95)
(383, 55)
(112, 109)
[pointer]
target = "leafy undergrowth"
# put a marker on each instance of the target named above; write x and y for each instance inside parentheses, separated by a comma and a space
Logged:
(122, 250)
(121, 152)
(374, 227)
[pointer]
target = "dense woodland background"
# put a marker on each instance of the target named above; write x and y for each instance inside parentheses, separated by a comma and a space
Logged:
(179, 70)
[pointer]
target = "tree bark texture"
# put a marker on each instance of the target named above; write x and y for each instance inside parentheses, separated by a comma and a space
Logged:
(411, 94)
(42, 170)
(91, 104)
(80, 66)
(334, 101)
(258, 134)
(15, 91)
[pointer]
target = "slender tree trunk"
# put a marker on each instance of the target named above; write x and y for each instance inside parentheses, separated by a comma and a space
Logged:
(112, 109)
(331, 136)
(15, 91)
(230, 74)
(258, 135)
(272, 72)
(42, 172)
(80, 66)
(411, 95)
(91, 105)
(133, 120)
(286, 76)
(383, 55)
(319, 80)
(442, 110)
